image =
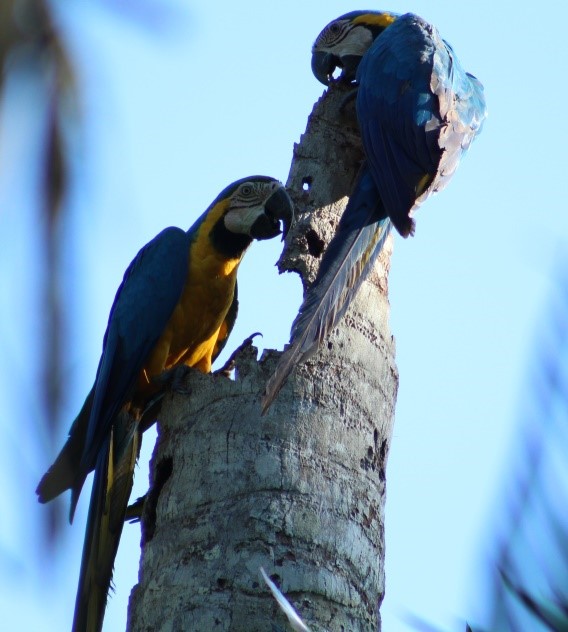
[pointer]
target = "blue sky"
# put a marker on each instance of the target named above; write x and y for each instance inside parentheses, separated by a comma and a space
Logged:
(170, 117)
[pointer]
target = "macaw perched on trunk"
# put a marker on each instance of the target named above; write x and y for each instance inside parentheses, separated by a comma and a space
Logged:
(176, 305)
(418, 112)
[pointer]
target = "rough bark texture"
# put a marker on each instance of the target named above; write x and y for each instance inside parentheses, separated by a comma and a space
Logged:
(300, 491)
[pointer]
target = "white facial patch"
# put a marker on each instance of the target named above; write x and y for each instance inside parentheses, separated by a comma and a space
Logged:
(240, 220)
(357, 42)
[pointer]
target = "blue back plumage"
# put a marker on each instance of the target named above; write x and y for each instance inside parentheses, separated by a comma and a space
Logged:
(418, 111)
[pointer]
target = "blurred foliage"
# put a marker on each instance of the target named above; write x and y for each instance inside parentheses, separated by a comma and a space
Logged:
(529, 556)
(30, 44)
(33, 47)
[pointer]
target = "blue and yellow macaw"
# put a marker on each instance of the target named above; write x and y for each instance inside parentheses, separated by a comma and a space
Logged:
(418, 112)
(176, 305)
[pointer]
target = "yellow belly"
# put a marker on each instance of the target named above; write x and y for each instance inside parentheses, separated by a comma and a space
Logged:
(192, 331)
(197, 321)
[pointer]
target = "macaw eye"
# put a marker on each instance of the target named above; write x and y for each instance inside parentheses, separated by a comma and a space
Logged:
(331, 34)
(246, 190)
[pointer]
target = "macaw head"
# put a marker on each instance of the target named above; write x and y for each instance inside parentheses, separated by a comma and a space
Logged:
(343, 42)
(256, 206)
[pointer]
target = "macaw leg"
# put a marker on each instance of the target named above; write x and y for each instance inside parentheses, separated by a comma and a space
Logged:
(230, 364)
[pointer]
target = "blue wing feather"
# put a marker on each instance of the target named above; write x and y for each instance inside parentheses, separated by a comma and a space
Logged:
(143, 304)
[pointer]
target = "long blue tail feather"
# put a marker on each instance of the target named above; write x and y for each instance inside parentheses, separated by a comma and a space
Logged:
(348, 259)
(112, 485)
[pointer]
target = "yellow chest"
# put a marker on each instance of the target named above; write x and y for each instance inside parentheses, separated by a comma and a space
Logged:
(192, 331)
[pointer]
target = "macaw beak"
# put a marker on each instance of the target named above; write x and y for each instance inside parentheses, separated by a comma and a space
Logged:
(324, 65)
(278, 208)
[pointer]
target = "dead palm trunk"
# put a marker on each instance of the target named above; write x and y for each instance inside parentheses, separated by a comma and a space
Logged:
(300, 491)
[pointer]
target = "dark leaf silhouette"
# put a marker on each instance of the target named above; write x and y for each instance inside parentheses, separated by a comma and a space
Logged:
(530, 551)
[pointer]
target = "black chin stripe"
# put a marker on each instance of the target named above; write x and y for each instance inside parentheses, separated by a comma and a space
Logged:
(230, 245)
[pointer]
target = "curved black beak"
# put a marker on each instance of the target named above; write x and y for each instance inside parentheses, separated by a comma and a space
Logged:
(278, 208)
(324, 65)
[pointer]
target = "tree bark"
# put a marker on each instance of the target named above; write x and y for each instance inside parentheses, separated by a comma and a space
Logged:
(300, 491)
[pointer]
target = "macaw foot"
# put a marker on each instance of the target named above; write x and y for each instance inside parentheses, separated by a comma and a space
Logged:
(347, 100)
(230, 364)
(134, 511)
(166, 381)
(174, 379)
